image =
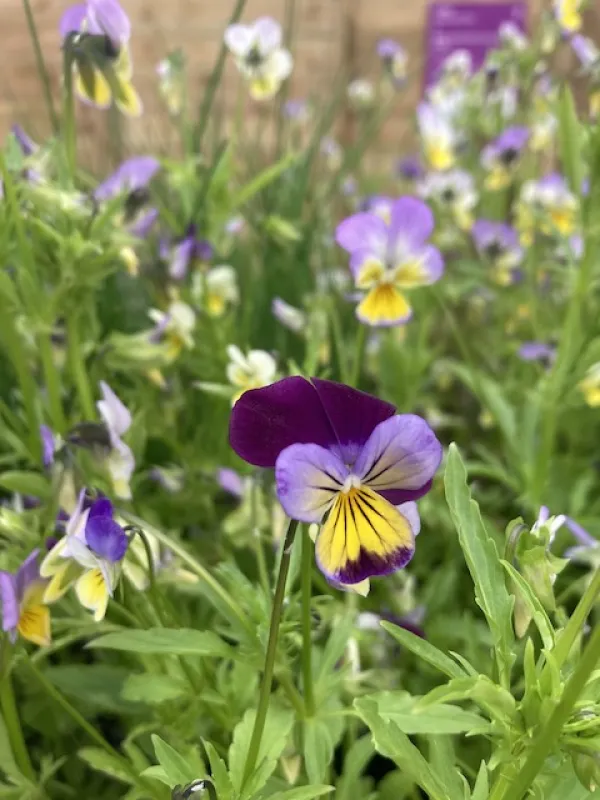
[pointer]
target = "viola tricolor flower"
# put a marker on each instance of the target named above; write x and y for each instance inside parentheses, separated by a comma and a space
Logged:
(296, 110)
(24, 613)
(452, 191)
(89, 556)
(189, 251)
(346, 455)
(216, 290)
(251, 371)
(501, 157)
(394, 59)
(510, 35)
(439, 137)
(259, 55)
(498, 243)
(97, 34)
(130, 178)
(537, 351)
(568, 14)
(387, 259)
(331, 152)
(117, 419)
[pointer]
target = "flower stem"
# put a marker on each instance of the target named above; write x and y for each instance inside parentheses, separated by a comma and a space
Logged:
(78, 370)
(10, 715)
(265, 689)
(359, 351)
(307, 566)
(53, 388)
(41, 65)
(547, 737)
(574, 626)
(68, 121)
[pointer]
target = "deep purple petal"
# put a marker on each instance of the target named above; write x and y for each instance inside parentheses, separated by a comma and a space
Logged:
(398, 497)
(27, 573)
(363, 231)
(411, 221)
(106, 538)
(369, 565)
(308, 477)
(102, 507)
(72, 19)
(402, 453)
(9, 601)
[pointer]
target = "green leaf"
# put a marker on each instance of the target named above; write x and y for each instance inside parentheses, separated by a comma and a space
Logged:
(165, 641)
(301, 793)
(31, 483)
(357, 758)
(390, 741)
(424, 650)
(536, 609)
(219, 773)
(277, 728)
(157, 773)
(482, 560)
(96, 685)
(334, 649)
(318, 749)
(443, 760)
(497, 702)
(570, 139)
(176, 767)
(262, 180)
(404, 710)
(152, 689)
(481, 789)
(102, 761)
(8, 765)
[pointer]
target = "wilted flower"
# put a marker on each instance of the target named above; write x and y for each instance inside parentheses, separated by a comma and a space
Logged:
(590, 386)
(96, 34)
(501, 157)
(289, 316)
(252, 371)
(187, 252)
(439, 137)
(90, 556)
(216, 290)
(342, 453)
(171, 82)
(568, 14)
(121, 461)
(22, 598)
(176, 326)
(394, 59)
(386, 259)
(453, 191)
(361, 93)
(499, 244)
(259, 55)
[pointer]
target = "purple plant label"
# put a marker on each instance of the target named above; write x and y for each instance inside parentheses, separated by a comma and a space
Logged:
(466, 26)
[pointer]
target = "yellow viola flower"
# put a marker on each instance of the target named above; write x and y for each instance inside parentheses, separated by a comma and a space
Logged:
(253, 370)
(24, 612)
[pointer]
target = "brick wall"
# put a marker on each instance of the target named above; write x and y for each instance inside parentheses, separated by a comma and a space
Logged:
(328, 35)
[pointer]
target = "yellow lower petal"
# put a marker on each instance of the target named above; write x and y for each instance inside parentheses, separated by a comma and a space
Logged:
(61, 580)
(364, 535)
(563, 220)
(384, 305)
(127, 99)
(92, 593)
(215, 305)
(264, 88)
(34, 625)
(440, 156)
(93, 87)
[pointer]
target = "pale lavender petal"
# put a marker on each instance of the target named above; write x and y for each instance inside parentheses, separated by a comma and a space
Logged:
(410, 512)
(26, 143)
(144, 224)
(400, 458)
(268, 34)
(180, 258)
(115, 414)
(580, 533)
(412, 221)
(106, 538)
(48, 445)
(433, 263)
(27, 573)
(230, 481)
(9, 601)
(358, 258)
(364, 231)
(308, 477)
(134, 173)
(72, 19)
(109, 18)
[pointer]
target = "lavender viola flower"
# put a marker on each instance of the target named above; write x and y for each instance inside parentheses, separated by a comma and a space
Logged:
(439, 137)
(230, 481)
(501, 157)
(499, 244)
(453, 191)
(96, 33)
(537, 351)
(130, 177)
(344, 455)
(387, 259)
(189, 250)
(394, 59)
(23, 610)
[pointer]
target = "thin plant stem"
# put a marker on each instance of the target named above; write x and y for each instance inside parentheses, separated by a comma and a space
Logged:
(359, 351)
(548, 736)
(41, 66)
(53, 386)
(10, 715)
(68, 121)
(78, 368)
(307, 674)
(267, 682)
(574, 626)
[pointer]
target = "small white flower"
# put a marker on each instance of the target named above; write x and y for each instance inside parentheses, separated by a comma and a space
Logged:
(216, 290)
(361, 93)
(260, 57)
(438, 135)
(176, 324)
(257, 368)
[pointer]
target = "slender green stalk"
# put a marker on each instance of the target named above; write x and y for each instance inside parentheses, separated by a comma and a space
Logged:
(78, 369)
(214, 81)
(10, 715)
(307, 674)
(267, 682)
(41, 66)
(200, 571)
(548, 736)
(68, 121)
(359, 352)
(53, 386)
(261, 563)
(574, 626)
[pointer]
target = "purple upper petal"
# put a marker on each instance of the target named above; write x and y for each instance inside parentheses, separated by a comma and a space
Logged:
(412, 221)
(580, 533)
(297, 411)
(364, 231)
(181, 257)
(102, 507)
(144, 224)
(107, 16)
(72, 20)
(106, 538)
(27, 573)
(132, 174)
(9, 601)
